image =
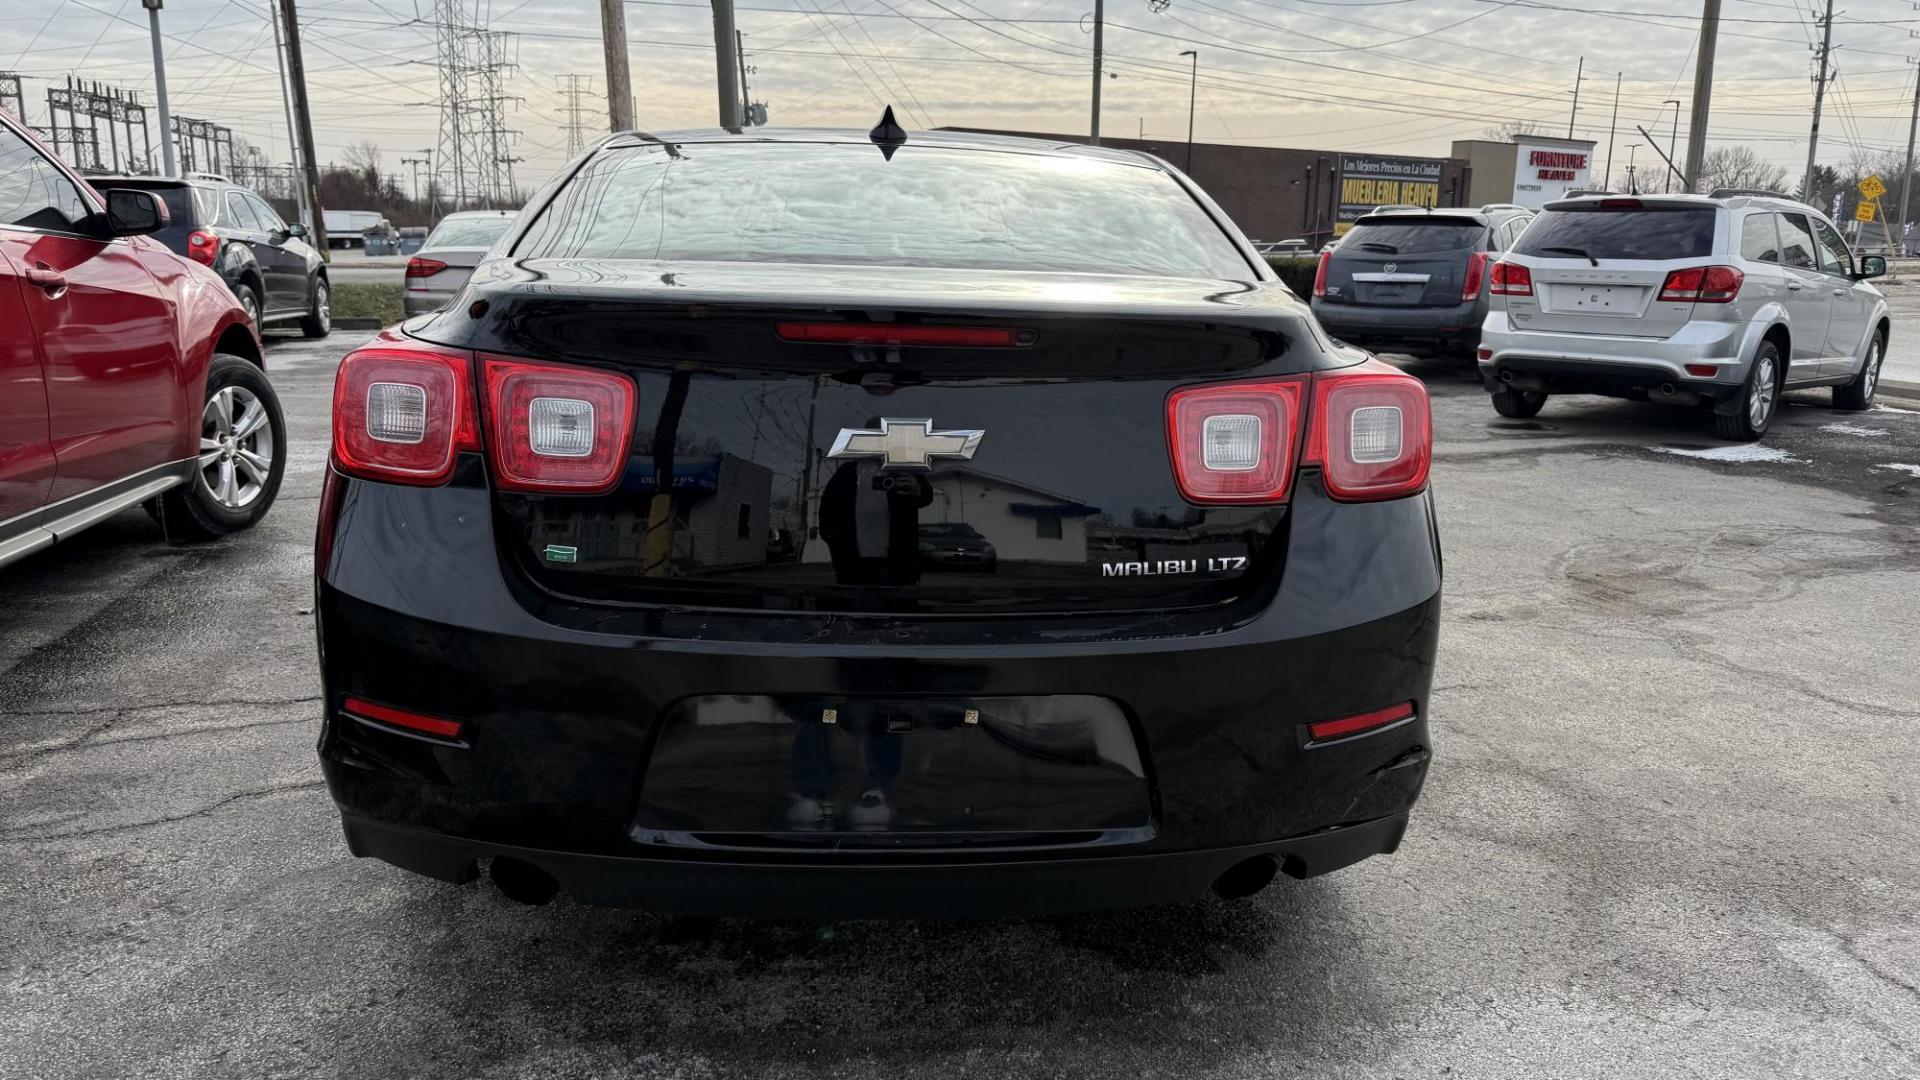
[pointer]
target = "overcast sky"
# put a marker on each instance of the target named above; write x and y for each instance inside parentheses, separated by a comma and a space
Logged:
(1391, 76)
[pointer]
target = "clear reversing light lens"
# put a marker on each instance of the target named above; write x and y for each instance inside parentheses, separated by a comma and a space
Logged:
(1374, 434)
(560, 427)
(1230, 442)
(396, 412)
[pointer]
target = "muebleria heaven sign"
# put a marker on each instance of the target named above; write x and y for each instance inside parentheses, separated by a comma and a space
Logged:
(1369, 181)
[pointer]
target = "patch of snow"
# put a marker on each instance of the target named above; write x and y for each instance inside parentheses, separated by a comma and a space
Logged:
(1893, 409)
(1737, 452)
(1911, 470)
(1855, 430)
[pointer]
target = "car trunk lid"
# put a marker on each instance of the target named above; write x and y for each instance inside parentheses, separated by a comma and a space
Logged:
(1597, 266)
(1404, 262)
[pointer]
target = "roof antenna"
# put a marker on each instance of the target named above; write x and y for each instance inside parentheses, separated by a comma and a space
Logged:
(889, 136)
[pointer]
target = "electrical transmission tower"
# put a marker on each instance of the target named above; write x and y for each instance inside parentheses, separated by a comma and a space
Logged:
(474, 160)
(573, 88)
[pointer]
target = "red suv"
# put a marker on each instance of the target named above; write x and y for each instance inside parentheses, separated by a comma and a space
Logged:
(127, 373)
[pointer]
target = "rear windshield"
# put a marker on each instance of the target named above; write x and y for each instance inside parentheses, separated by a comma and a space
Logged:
(848, 204)
(1412, 236)
(468, 232)
(180, 199)
(1679, 233)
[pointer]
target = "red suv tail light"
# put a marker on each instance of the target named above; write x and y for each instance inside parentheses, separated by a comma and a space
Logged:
(1320, 273)
(402, 412)
(1372, 432)
(1368, 427)
(203, 247)
(558, 429)
(1512, 279)
(1702, 285)
(1476, 276)
(418, 267)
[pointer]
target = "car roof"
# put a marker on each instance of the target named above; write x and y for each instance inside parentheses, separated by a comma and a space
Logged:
(947, 140)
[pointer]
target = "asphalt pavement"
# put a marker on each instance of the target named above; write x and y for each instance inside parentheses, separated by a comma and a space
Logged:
(1669, 832)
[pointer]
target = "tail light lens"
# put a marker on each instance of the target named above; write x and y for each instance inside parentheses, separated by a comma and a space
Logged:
(1372, 432)
(1512, 279)
(557, 429)
(1236, 444)
(203, 247)
(1702, 285)
(1368, 427)
(1320, 274)
(402, 412)
(1476, 276)
(418, 267)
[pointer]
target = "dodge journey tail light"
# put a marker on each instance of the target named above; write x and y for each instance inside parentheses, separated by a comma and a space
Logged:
(203, 246)
(1367, 427)
(402, 412)
(561, 429)
(1702, 285)
(1512, 279)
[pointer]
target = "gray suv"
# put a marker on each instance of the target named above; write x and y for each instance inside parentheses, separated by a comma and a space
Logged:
(1721, 301)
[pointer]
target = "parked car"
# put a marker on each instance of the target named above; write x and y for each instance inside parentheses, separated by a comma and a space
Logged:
(275, 274)
(551, 638)
(954, 545)
(1723, 301)
(1414, 279)
(347, 228)
(1285, 248)
(132, 375)
(439, 270)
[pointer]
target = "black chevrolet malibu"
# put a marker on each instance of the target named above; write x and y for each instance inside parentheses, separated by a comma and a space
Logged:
(555, 643)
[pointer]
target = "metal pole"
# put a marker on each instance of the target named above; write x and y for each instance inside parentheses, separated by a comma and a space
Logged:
(1632, 152)
(160, 88)
(303, 118)
(723, 43)
(1579, 73)
(1906, 180)
(740, 58)
(1819, 98)
(1702, 93)
(1673, 142)
(613, 41)
(1613, 128)
(1099, 44)
(1193, 87)
(279, 58)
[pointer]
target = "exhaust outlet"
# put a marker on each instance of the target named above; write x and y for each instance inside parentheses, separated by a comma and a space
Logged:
(1506, 376)
(522, 883)
(1667, 389)
(1246, 877)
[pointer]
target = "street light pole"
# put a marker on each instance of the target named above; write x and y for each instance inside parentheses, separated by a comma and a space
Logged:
(1673, 142)
(1193, 87)
(160, 87)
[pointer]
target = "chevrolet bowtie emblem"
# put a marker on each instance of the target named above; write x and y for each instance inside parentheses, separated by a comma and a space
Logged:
(909, 444)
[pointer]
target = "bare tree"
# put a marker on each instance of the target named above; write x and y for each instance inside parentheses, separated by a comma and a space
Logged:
(1511, 130)
(1740, 167)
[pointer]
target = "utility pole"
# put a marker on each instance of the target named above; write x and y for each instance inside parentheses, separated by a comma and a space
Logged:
(1906, 181)
(303, 118)
(293, 154)
(1819, 97)
(1702, 92)
(613, 40)
(1613, 127)
(740, 58)
(1193, 87)
(159, 87)
(426, 159)
(1579, 73)
(1099, 44)
(724, 43)
(1632, 152)
(1673, 142)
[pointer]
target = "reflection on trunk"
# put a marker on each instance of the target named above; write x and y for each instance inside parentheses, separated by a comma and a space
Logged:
(657, 555)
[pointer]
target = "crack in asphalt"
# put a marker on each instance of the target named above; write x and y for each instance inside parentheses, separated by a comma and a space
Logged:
(255, 793)
(122, 713)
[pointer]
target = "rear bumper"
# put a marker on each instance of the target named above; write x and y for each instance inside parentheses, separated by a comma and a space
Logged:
(566, 710)
(1362, 325)
(1620, 366)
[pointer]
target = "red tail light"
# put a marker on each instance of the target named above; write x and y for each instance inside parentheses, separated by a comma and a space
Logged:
(557, 429)
(1702, 285)
(1476, 276)
(1368, 427)
(1326, 730)
(422, 268)
(1372, 432)
(1512, 279)
(950, 337)
(402, 412)
(1320, 273)
(203, 247)
(402, 718)
(1621, 204)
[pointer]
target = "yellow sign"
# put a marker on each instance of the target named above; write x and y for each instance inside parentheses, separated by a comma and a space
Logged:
(1863, 212)
(1872, 188)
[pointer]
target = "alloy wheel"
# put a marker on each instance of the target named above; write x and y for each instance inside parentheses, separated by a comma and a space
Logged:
(236, 447)
(250, 305)
(1760, 402)
(323, 305)
(1871, 375)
